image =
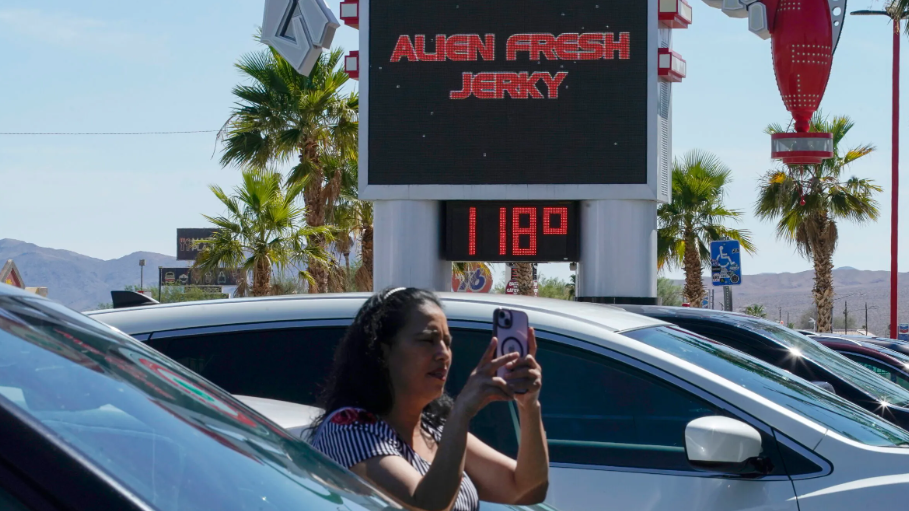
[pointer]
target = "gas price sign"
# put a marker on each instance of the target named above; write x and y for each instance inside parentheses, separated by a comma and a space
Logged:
(473, 92)
(499, 231)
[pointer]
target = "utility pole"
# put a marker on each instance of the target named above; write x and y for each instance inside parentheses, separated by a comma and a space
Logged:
(142, 274)
(846, 317)
(866, 318)
(781, 314)
(160, 275)
(787, 319)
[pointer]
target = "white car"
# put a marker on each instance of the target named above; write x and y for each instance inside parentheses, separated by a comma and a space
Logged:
(639, 414)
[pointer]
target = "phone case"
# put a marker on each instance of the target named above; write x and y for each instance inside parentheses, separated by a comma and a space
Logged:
(510, 327)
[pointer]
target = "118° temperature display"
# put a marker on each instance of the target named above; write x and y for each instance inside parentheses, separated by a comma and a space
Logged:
(510, 231)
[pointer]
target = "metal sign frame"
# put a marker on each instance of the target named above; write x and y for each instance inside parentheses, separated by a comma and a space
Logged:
(649, 191)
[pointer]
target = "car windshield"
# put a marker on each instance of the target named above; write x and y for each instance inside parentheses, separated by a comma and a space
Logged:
(169, 436)
(879, 388)
(776, 385)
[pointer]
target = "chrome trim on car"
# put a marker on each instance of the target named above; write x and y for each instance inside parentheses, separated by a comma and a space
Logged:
(247, 327)
(664, 472)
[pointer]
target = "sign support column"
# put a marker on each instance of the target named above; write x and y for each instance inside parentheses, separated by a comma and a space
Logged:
(407, 247)
(618, 252)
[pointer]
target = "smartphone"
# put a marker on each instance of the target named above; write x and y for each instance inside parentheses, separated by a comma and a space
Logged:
(511, 328)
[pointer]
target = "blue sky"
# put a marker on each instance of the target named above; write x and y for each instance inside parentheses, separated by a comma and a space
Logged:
(118, 66)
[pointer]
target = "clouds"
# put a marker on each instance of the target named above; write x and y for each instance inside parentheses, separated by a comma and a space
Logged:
(70, 32)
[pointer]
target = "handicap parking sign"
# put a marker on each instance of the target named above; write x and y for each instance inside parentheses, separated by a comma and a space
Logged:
(725, 263)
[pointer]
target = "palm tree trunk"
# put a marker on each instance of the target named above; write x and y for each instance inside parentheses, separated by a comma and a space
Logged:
(694, 285)
(262, 278)
(524, 275)
(315, 213)
(823, 280)
(363, 278)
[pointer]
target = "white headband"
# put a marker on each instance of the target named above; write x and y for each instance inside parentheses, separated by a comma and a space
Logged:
(392, 291)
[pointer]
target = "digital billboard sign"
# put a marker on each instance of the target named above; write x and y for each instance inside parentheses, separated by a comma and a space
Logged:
(470, 92)
(188, 246)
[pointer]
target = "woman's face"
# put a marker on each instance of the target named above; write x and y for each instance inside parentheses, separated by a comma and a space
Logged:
(420, 356)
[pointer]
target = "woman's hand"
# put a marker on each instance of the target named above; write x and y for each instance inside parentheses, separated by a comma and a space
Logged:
(525, 376)
(483, 386)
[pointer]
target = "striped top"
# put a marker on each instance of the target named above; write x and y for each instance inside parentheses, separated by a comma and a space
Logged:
(352, 435)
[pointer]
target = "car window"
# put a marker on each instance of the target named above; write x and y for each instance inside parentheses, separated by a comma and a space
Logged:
(882, 370)
(287, 365)
(773, 383)
(599, 411)
(172, 438)
(293, 365)
(833, 361)
(9, 502)
(496, 423)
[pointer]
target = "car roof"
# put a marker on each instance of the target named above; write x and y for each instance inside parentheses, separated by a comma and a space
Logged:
(684, 312)
(853, 346)
(459, 306)
(8, 290)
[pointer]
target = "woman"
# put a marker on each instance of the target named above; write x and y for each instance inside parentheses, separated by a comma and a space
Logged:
(389, 420)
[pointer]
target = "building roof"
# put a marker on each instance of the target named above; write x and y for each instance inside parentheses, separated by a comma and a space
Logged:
(9, 274)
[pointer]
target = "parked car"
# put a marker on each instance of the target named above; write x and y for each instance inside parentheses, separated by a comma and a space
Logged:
(796, 353)
(891, 344)
(93, 420)
(888, 364)
(625, 398)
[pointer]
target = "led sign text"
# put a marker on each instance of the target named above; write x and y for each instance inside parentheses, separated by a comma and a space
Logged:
(530, 46)
(511, 231)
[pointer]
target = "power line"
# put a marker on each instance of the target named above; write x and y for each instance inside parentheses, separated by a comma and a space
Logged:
(112, 133)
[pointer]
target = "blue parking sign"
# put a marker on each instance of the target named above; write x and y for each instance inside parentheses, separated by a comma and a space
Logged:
(725, 263)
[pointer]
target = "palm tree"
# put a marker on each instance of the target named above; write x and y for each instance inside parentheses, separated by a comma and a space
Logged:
(809, 200)
(261, 231)
(756, 310)
(899, 8)
(283, 116)
(523, 273)
(352, 218)
(694, 218)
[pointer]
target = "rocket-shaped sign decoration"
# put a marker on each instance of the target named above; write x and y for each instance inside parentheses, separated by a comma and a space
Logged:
(804, 35)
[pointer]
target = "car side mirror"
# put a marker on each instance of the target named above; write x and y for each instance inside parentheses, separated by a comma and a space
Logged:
(725, 445)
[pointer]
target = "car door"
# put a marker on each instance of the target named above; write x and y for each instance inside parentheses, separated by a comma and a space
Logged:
(616, 437)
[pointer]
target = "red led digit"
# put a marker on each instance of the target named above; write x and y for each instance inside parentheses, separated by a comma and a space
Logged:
(472, 236)
(517, 231)
(562, 213)
(503, 227)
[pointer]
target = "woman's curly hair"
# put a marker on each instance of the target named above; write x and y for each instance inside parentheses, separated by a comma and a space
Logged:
(359, 375)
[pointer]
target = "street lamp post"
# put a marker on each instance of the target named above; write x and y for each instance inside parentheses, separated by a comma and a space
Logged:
(895, 160)
(141, 274)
